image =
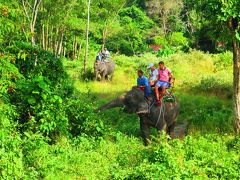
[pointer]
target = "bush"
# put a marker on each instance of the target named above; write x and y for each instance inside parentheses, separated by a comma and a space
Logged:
(206, 115)
(160, 40)
(83, 119)
(9, 75)
(223, 60)
(177, 39)
(40, 108)
(11, 156)
(33, 61)
(215, 85)
(166, 51)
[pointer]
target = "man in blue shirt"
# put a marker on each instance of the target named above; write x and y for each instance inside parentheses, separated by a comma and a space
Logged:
(143, 84)
(99, 57)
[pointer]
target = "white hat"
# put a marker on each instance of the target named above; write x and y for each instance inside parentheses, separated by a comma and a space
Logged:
(150, 65)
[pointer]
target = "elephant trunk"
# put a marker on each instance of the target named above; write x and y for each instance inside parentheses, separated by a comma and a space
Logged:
(119, 102)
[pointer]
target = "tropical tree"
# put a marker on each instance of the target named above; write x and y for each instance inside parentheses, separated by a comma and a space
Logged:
(167, 13)
(31, 9)
(223, 17)
(10, 22)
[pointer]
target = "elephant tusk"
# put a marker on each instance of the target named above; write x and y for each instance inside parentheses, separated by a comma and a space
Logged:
(142, 112)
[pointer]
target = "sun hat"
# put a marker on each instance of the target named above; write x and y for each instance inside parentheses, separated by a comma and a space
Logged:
(150, 65)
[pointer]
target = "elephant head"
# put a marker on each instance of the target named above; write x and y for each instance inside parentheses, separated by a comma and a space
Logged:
(99, 67)
(133, 102)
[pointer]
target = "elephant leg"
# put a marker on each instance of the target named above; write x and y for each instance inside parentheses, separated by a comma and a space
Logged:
(104, 76)
(101, 76)
(111, 78)
(96, 76)
(107, 77)
(170, 130)
(162, 126)
(145, 131)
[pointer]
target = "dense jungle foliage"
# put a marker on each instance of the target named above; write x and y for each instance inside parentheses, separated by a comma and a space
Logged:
(48, 124)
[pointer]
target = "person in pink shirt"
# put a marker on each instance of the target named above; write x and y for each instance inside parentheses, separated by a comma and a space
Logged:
(164, 78)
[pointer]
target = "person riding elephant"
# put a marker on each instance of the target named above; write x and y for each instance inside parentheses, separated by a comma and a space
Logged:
(164, 80)
(99, 57)
(161, 117)
(143, 84)
(106, 55)
(153, 75)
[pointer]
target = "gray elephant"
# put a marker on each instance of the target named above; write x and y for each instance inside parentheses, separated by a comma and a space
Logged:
(161, 117)
(104, 69)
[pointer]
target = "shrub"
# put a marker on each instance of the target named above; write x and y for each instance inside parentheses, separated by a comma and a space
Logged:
(177, 39)
(39, 106)
(215, 85)
(11, 156)
(166, 51)
(9, 75)
(160, 40)
(83, 119)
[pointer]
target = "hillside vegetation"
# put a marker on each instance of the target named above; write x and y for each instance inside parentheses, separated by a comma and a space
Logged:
(49, 128)
(71, 141)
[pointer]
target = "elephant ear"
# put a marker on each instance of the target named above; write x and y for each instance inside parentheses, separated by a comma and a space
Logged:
(142, 105)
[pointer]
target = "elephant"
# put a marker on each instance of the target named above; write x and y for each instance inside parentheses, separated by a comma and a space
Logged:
(104, 69)
(161, 117)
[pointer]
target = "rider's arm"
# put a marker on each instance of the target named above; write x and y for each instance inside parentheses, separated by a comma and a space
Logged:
(171, 79)
(157, 76)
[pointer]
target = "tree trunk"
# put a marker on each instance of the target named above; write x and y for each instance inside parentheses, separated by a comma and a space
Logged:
(51, 40)
(104, 36)
(64, 49)
(46, 45)
(164, 25)
(131, 46)
(31, 12)
(236, 74)
(56, 43)
(73, 48)
(43, 37)
(87, 31)
(61, 44)
(236, 83)
(32, 35)
(79, 50)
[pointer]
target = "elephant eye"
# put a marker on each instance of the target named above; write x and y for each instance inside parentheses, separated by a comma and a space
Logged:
(129, 101)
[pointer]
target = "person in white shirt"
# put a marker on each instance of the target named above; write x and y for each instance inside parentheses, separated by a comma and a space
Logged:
(106, 54)
(153, 78)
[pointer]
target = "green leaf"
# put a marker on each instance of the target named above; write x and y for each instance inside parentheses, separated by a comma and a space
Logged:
(237, 35)
(31, 100)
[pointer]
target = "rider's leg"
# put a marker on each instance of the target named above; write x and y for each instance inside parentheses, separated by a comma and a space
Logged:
(164, 90)
(157, 92)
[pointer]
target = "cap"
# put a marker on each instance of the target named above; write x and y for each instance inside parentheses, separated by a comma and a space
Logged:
(150, 65)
